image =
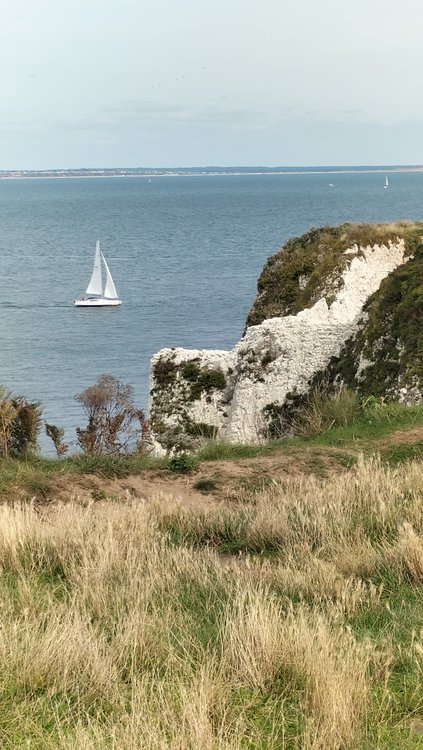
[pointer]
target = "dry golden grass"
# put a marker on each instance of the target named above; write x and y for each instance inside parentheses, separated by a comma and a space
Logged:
(125, 626)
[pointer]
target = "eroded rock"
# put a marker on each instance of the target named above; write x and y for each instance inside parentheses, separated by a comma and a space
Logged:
(315, 298)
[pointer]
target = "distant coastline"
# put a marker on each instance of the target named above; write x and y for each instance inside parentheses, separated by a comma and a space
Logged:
(199, 171)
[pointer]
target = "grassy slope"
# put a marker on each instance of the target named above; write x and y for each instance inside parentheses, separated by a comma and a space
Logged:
(289, 617)
(391, 430)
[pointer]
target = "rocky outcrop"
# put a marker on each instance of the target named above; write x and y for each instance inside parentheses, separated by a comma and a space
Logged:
(315, 311)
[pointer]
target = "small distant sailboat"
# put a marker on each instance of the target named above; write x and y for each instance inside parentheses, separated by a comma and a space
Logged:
(331, 184)
(386, 185)
(94, 295)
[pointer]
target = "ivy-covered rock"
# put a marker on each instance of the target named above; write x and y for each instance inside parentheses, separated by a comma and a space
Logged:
(186, 395)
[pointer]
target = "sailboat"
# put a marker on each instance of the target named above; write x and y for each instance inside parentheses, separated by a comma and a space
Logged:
(386, 185)
(94, 295)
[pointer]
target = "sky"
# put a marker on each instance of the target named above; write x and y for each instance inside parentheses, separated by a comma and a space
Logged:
(127, 83)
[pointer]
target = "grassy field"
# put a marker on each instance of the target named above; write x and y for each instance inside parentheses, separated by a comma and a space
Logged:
(291, 619)
(276, 614)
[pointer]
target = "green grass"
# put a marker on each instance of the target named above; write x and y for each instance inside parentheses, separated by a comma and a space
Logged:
(226, 533)
(111, 466)
(218, 450)
(379, 421)
(399, 454)
(203, 605)
(397, 620)
(32, 473)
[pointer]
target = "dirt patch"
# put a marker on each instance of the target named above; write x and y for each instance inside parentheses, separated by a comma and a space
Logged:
(220, 480)
(225, 480)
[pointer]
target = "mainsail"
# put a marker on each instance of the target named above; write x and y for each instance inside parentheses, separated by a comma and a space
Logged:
(96, 282)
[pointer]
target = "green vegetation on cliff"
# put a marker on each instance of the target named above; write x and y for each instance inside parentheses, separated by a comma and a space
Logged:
(387, 352)
(310, 267)
(176, 386)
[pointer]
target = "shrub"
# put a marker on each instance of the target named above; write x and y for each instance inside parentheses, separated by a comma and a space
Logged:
(112, 417)
(19, 424)
(191, 371)
(205, 485)
(164, 371)
(56, 434)
(183, 463)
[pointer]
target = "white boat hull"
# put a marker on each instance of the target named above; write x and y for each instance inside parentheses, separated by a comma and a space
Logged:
(101, 302)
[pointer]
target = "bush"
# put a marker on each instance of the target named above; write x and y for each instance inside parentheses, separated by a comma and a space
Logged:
(19, 424)
(205, 485)
(164, 372)
(183, 463)
(56, 434)
(114, 423)
(191, 371)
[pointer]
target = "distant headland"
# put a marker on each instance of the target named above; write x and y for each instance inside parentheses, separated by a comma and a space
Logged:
(198, 171)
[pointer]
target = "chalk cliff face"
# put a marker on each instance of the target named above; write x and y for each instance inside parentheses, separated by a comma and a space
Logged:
(309, 317)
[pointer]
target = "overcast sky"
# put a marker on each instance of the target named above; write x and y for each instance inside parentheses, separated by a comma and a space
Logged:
(88, 83)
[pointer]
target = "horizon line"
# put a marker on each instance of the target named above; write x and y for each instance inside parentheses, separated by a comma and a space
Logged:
(211, 167)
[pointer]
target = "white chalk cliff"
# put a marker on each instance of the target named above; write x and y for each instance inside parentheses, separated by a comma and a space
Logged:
(274, 358)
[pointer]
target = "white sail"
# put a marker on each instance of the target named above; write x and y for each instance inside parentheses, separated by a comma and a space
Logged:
(386, 182)
(94, 296)
(110, 289)
(96, 282)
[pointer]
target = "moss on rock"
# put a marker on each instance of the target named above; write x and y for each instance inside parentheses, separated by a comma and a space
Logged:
(176, 386)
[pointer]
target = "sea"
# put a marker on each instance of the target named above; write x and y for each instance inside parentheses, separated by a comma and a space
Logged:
(185, 253)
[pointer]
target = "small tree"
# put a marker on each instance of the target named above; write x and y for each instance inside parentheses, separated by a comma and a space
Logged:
(145, 442)
(26, 426)
(7, 415)
(19, 424)
(56, 434)
(113, 420)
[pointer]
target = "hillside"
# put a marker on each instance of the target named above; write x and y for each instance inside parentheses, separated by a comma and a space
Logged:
(269, 597)
(260, 595)
(392, 431)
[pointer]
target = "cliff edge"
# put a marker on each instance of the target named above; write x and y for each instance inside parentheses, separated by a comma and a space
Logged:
(344, 303)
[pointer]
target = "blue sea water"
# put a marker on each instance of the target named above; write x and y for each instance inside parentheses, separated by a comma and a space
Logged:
(185, 254)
